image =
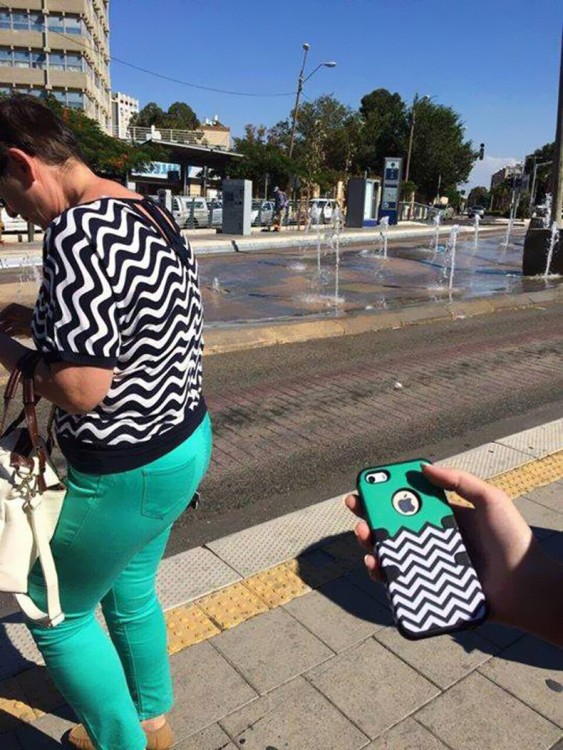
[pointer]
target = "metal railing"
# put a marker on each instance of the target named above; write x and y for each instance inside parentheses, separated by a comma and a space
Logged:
(218, 139)
(297, 215)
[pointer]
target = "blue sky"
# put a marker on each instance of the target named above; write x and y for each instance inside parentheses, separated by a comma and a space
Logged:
(496, 63)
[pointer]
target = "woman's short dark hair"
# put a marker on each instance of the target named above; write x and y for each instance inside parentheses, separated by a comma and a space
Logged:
(28, 124)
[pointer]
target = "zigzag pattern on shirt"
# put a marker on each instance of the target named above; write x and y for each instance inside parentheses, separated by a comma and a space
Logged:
(431, 585)
(114, 289)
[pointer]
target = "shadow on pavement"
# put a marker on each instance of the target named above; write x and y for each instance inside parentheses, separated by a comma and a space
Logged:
(318, 566)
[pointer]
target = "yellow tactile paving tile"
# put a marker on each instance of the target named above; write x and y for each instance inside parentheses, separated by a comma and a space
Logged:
(531, 476)
(232, 605)
(278, 585)
(186, 626)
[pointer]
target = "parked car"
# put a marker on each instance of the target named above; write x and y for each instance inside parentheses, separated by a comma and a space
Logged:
(262, 213)
(321, 210)
(475, 211)
(197, 212)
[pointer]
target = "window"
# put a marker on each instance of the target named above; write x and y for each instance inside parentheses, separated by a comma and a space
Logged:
(5, 56)
(21, 58)
(38, 60)
(57, 61)
(73, 61)
(73, 25)
(75, 99)
(35, 22)
(5, 19)
(56, 22)
(20, 20)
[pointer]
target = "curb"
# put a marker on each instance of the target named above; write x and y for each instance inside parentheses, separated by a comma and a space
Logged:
(310, 239)
(239, 337)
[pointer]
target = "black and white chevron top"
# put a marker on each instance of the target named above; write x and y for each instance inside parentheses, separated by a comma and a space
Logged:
(118, 294)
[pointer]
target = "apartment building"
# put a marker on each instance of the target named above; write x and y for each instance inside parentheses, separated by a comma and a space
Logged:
(60, 47)
(123, 109)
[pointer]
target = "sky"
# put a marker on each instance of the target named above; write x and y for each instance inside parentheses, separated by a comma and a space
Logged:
(496, 63)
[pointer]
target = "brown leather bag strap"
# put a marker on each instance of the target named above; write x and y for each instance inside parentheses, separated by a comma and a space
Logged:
(9, 393)
(32, 425)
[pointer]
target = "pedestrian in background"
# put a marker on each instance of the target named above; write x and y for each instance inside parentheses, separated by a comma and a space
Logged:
(280, 205)
(118, 323)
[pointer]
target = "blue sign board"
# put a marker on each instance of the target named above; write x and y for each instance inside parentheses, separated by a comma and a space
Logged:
(391, 188)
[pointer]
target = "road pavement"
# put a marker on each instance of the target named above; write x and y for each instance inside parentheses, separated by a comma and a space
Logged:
(293, 424)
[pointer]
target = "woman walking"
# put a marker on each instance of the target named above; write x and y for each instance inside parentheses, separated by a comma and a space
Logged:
(118, 323)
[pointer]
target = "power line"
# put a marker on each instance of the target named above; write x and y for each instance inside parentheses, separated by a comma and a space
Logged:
(161, 75)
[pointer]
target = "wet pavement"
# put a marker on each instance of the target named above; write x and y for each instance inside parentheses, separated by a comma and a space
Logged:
(296, 284)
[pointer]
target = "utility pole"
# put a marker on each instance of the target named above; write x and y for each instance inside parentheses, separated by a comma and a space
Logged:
(306, 47)
(557, 174)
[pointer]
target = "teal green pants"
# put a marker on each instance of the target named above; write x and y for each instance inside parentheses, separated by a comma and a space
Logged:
(107, 547)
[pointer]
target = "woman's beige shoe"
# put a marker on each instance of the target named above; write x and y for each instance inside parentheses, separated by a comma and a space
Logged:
(160, 739)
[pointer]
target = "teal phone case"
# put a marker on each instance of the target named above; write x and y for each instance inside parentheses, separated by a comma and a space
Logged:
(431, 583)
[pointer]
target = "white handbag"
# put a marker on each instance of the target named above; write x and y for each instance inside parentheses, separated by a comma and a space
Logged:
(31, 498)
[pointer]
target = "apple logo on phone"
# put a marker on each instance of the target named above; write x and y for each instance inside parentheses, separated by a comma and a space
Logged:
(406, 502)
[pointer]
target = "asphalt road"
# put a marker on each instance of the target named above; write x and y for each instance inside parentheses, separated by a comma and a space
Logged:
(294, 424)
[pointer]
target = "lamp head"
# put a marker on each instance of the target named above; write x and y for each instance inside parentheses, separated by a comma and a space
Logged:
(306, 46)
(330, 64)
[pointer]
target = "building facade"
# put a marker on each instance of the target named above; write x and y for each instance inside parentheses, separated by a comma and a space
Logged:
(503, 174)
(123, 108)
(59, 47)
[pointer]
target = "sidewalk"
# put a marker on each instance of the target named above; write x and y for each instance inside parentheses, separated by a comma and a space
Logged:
(279, 640)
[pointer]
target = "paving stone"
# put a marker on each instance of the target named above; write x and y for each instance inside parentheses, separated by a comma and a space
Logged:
(543, 520)
(339, 613)
(551, 495)
(372, 687)
(557, 746)
(206, 688)
(408, 735)
(293, 716)
(444, 659)
(499, 635)
(46, 732)
(271, 649)
(477, 714)
(532, 670)
(212, 738)
(374, 589)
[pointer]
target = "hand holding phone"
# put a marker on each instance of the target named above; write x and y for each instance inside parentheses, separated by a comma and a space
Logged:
(431, 583)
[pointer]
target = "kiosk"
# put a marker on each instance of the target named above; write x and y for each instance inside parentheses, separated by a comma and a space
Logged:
(362, 201)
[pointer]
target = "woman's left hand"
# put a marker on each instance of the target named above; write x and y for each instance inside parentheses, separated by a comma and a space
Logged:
(15, 320)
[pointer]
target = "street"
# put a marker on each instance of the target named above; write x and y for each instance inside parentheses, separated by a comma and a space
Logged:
(294, 424)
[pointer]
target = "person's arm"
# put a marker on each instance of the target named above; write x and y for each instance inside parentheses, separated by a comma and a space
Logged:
(75, 388)
(523, 586)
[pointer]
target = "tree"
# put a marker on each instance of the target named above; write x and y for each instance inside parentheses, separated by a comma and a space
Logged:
(385, 129)
(107, 156)
(478, 196)
(262, 157)
(180, 116)
(440, 156)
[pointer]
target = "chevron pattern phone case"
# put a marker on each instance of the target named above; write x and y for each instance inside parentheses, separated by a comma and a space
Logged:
(431, 583)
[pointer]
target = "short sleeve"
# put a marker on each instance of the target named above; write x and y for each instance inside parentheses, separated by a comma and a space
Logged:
(75, 318)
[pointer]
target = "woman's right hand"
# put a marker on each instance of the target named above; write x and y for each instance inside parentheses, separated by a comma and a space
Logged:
(15, 320)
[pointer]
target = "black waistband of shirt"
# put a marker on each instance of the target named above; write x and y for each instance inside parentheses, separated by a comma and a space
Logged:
(93, 459)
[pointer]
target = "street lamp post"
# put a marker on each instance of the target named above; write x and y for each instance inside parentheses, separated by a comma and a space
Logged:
(300, 82)
(411, 136)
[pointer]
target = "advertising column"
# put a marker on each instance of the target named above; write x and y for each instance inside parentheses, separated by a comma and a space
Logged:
(392, 173)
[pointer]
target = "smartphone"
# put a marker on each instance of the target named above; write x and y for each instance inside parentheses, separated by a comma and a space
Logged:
(431, 583)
